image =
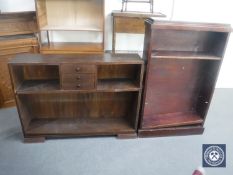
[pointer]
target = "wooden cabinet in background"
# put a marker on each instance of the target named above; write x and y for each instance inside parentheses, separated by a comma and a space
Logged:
(183, 61)
(130, 23)
(16, 36)
(71, 26)
(77, 95)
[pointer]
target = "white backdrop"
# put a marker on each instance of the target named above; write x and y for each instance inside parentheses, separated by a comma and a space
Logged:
(187, 10)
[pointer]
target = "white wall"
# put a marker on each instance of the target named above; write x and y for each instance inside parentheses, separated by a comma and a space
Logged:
(188, 10)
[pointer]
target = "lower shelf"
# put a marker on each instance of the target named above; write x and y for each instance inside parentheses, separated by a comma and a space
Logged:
(79, 127)
(63, 48)
(172, 119)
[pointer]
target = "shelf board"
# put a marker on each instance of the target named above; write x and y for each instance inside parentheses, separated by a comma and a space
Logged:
(52, 86)
(71, 47)
(71, 28)
(172, 119)
(81, 126)
(117, 85)
(185, 55)
(35, 86)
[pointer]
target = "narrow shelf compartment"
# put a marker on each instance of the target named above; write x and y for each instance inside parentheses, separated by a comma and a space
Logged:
(185, 55)
(117, 85)
(41, 86)
(75, 47)
(173, 119)
(71, 28)
(82, 126)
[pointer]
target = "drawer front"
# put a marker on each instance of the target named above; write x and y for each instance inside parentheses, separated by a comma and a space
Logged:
(82, 85)
(78, 78)
(129, 25)
(78, 81)
(77, 68)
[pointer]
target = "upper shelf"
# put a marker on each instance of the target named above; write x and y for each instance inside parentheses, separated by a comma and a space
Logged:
(72, 28)
(185, 55)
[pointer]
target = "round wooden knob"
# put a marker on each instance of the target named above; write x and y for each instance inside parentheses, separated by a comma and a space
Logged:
(78, 86)
(78, 78)
(78, 69)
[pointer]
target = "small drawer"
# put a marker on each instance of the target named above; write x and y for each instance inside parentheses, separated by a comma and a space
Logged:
(77, 68)
(78, 86)
(74, 78)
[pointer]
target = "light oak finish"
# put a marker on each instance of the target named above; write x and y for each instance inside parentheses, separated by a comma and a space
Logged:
(16, 36)
(130, 22)
(76, 15)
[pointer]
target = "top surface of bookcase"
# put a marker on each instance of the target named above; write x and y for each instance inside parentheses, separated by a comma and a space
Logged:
(195, 26)
(106, 58)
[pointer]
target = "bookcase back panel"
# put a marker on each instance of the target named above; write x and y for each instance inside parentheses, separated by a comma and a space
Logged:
(75, 13)
(193, 41)
(81, 105)
(40, 72)
(174, 86)
(118, 71)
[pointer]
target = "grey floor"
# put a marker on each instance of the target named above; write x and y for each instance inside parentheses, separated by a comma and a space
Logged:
(110, 156)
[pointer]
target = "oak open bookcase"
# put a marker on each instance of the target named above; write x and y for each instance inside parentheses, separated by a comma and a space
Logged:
(71, 26)
(77, 95)
(183, 61)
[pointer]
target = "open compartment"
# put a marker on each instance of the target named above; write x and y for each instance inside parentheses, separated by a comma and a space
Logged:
(119, 77)
(78, 114)
(29, 78)
(188, 44)
(180, 91)
(71, 25)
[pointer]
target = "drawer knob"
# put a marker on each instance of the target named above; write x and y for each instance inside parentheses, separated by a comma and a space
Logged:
(78, 78)
(77, 69)
(78, 86)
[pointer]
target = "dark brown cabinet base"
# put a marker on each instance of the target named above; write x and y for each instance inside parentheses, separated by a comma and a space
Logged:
(77, 95)
(183, 61)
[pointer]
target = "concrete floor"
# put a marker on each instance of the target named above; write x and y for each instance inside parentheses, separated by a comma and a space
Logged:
(110, 156)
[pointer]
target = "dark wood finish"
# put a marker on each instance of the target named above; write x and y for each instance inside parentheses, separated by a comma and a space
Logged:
(16, 36)
(174, 131)
(77, 95)
(183, 61)
(130, 22)
(85, 17)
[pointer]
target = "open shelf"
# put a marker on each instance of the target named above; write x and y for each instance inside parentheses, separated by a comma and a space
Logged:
(82, 126)
(63, 47)
(38, 86)
(71, 28)
(85, 18)
(185, 55)
(173, 119)
(117, 85)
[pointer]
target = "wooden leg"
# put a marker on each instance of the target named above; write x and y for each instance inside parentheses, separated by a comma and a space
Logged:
(127, 136)
(34, 139)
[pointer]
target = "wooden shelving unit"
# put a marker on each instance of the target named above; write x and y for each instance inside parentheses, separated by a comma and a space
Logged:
(60, 17)
(17, 35)
(183, 61)
(77, 95)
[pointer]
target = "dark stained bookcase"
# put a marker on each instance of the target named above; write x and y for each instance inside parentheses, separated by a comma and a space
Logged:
(183, 60)
(77, 95)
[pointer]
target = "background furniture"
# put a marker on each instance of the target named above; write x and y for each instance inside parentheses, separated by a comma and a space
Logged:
(77, 95)
(75, 18)
(183, 61)
(129, 22)
(16, 36)
(125, 3)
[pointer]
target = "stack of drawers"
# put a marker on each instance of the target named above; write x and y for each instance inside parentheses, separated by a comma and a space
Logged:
(78, 76)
